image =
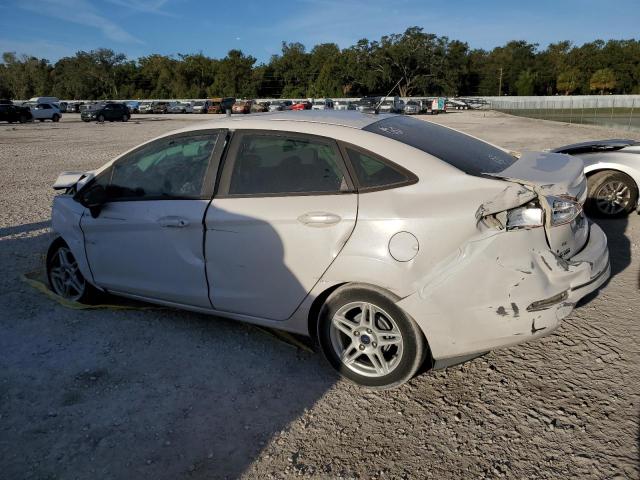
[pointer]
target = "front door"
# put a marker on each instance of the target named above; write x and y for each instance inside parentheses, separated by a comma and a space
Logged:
(147, 240)
(285, 207)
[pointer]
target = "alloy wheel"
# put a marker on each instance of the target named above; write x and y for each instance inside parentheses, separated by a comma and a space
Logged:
(65, 276)
(613, 197)
(366, 339)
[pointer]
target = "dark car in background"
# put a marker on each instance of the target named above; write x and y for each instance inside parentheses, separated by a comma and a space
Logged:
(221, 105)
(243, 106)
(14, 113)
(110, 111)
(260, 107)
(160, 107)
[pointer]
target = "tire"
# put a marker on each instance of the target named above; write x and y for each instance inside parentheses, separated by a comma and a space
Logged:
(100, 119)
(611, 194)
(55, 118)
(23, 119)
(125, 118)
(64, 276)
(344, 334)
(41, 119)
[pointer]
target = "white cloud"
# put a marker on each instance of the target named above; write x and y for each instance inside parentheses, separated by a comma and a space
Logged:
(82, 13)
(144, 6)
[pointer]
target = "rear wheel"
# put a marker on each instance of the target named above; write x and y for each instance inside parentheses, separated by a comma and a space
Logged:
(125, 118)
(56, 117)
(23, 118)
(100, 118)
(368, 339)
(611, 194)
(64, 276)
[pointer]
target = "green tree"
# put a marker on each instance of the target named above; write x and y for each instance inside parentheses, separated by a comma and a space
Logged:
(602, 80)
(526, 82)
(234, 76)
(291, 68)
(568, 81)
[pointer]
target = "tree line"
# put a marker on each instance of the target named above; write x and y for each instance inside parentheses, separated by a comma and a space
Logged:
(420, 63)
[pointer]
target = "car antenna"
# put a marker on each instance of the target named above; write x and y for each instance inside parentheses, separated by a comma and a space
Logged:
(377, 109)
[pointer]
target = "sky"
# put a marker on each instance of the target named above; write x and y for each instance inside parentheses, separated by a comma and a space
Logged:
(54, 29)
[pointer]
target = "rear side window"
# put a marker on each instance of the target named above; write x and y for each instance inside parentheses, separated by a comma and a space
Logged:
(373, 172)
(466, 153)
(262, 164)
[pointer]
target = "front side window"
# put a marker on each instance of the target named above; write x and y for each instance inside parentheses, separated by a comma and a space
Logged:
(171, 168)
(281, 165)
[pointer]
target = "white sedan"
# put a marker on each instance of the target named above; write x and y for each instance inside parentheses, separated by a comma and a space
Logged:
(391, 240)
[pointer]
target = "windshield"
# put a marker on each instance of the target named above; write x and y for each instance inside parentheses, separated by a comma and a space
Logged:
(199, 104)
(319, 102)
(411, 102)
(466, 153)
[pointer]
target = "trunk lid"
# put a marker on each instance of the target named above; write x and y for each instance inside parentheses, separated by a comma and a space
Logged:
(559, 182)
(68, 180)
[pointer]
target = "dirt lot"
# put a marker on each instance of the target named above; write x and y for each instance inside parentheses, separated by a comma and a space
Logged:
(165, 394)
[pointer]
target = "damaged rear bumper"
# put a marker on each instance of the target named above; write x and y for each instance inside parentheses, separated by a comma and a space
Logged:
(499, 291)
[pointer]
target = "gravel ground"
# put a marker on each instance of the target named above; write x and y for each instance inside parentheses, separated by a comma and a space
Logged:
(164, 394)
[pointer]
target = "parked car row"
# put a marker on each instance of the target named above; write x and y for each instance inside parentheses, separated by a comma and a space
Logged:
(51, 108)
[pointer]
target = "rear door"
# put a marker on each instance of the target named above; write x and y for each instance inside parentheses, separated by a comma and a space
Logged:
(285, 207)
(147, 240)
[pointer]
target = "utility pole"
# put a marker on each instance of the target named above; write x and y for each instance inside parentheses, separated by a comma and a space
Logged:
(500, 83)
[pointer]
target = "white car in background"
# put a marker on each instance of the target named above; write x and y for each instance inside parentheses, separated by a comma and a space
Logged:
(180, 107)
(391, 240)
(45, 111)
(200, 106)
(412, 107)
(322, 104)
(344, 105)
(613, 174)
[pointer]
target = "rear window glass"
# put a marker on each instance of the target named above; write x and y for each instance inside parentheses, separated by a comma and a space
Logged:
(373, 172)
(468, 154)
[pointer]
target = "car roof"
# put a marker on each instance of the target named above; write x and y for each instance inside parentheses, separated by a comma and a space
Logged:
(345, 118)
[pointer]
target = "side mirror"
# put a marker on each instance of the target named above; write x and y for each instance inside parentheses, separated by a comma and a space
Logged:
(94, 199)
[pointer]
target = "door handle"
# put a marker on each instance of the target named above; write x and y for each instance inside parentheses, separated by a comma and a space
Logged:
(173, 222)
(319, 219)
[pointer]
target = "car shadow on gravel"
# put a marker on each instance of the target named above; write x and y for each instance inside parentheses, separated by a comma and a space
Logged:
(160, 394)
(619, 246)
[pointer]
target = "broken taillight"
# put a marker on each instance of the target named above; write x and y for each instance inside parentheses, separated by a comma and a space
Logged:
(527, 216)
(564, 209)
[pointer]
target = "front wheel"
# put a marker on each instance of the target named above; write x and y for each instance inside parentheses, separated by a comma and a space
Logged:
(100, 118)
(368, 339)
(125, 118)
(611, 194)
(56, 118)
(64, 276)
